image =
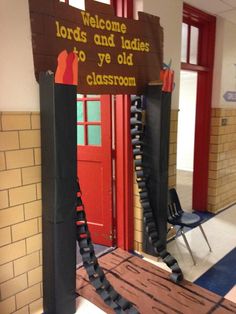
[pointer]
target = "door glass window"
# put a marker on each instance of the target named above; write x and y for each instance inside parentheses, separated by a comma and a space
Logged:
(93, 111)
(93, 96)
(79, 4)
(89, 120)
(94, 135)
(184, 42)
(80, 135)
(80, 111)
(189, 44)
(194, 45)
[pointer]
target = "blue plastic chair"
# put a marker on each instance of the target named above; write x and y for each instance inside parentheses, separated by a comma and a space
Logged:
(178, 217)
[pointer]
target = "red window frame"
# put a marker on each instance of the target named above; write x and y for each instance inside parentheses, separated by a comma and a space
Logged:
(206, 24)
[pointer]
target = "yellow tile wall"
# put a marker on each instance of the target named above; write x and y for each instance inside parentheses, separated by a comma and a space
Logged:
(20, 214)
(222, 159)
(171, 182)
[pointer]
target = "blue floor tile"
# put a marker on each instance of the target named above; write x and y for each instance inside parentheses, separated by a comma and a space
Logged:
(204, 215)
(221, 277)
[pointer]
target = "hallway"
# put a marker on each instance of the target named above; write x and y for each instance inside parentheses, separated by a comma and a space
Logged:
(184, 188)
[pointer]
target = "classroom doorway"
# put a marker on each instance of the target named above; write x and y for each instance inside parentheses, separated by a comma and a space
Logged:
(197, 59)
(186, 137)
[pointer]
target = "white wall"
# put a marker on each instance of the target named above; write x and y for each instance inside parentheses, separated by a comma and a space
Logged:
(170, 13)
(186, 120)
(225, 60)
(18, 88)
(229, 61)
(217, 72)
(138, 7)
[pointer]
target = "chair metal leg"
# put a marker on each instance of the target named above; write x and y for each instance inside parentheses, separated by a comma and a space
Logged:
(170, 228)
(187, 245)
(205, 237)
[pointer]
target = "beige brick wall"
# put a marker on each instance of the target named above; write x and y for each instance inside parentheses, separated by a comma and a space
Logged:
(138, 216)
(20, 214)
(171, 182)
(173, 148)
(222, 159)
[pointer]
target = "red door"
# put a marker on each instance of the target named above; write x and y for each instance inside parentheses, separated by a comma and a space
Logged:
(94, 140)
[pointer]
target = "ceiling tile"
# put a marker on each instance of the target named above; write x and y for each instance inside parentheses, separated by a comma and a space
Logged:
(232, 3)
(229, 15)
(210, 6)
(223, 8)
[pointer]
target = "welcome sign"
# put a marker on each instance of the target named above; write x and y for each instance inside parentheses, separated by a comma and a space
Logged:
(115, 55)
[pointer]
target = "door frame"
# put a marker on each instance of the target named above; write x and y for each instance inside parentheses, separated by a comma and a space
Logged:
(124, 175)
(207, 26)
(123, 226)
(123, 154)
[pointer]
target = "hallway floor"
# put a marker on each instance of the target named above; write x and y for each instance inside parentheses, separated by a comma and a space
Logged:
(184, 180)
(221, 233)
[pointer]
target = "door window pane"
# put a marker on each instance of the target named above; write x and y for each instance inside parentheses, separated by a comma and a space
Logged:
(80, 135)
(79, 4)
(80, 111)
(94, 135)
(184, 43)
(104, 1)
(93, 96)
(194, 45)
(93, 111)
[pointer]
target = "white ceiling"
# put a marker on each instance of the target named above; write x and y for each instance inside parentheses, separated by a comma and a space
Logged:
(224, 8)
